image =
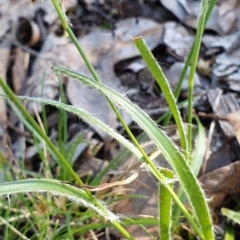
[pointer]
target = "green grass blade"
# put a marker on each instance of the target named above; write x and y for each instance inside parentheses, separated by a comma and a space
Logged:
(164, 143)
(55, 187)
(91, 120)
(197, 44)
(165, 208)
(200, 148)
(23, 120)
(197, 160)
(62, 123)
(21, 236)
(197, 152)
(113, 164)
(188, 61)
(126, 222)
(163, 83)
(58, 5)
(232, 215)
(229, 233)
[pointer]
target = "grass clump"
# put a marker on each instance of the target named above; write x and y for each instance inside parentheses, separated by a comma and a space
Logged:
(60, 198)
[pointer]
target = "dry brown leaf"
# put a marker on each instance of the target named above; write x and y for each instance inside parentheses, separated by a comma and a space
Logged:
(43, 82)
(104, 186)
(175, 70)
(175, 7)
(220, 182)
(187, 13)
(226, 67)
(216, 152)
(223, 12)
(227, 103)
(19, 70)
(146, 186)
(89, 166)
(177, 39)
(228, 13)
(234, 119)
(127, 29)
(12, 10)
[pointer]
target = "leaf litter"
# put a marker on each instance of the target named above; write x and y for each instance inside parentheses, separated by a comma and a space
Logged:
(104, 30)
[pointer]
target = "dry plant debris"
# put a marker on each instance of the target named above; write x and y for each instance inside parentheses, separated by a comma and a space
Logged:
(220, 182)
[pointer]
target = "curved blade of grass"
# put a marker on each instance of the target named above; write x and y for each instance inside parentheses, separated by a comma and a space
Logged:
(55, 187)
(126, 222)
(119, 138)
(229, 233)
(197, 160)
(164, 143)
(163, 83)
(90, 119)
(188, 61)
(21, 236)
(232, 215)
(165, 208)
(200, 148)
(196, 48)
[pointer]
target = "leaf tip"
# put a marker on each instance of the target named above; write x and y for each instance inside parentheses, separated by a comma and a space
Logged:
(136, 38)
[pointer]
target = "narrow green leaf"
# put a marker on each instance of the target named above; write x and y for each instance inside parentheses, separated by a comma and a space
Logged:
(163, 83)
(232, 215)
(126, 222)
(165, 208)
(229, 233)
(194, 60)
(55, 187)
(200, 148)
(89, 119)
(21, 236)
